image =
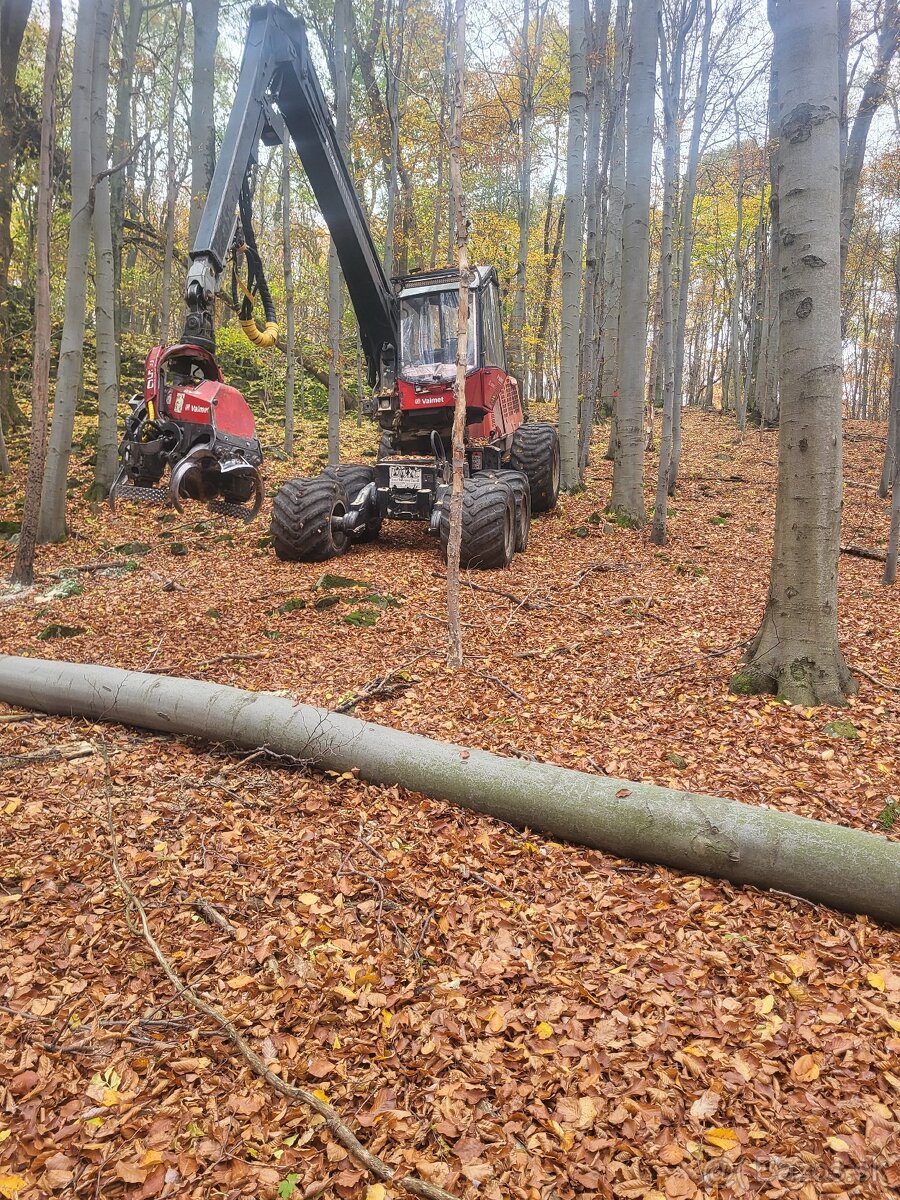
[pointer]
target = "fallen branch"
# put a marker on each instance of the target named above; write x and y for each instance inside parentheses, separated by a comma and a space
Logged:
(501, 684)
(212, 916)
(600, 569)
(341, 1132)
(382, 685)
(847, 869)
(862, 552)
(64, 753)
(888, 687)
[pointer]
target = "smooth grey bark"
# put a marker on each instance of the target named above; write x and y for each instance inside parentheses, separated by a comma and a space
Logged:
(627, 497)
(770, 394)
(890, 476)
(737, 375)
(23, 569)
(290, 334)
(52, 524)
(688, 197)
(395, 30)
(873, 96)
(342, 19)
(615, 211)
(454, 620)
(205, 16)
(551, 258)
(795, 652)
(14, 16)
(104, 273)
(671, 74)
(529, 58)
(171, 181)
(573, 250)
(598, 98)
(132, 12)
(748, 844)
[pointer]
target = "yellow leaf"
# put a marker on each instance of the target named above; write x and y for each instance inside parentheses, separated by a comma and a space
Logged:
(876, 980)
(336, 1044)
(725, 1139)
(544, 1031)
(4, 1134)
(766, 1005)
(239, 981)
(308, 899)
(11, 1185)
(838, 1145)
(386, 1018)
(323, 1095)
(376, 1191)
(805, 1069)
(894, 1024)
(344, 992)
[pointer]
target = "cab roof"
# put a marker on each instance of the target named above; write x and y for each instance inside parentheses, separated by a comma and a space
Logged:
(444, 280)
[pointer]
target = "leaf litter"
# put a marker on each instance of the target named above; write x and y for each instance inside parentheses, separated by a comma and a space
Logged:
(501, 1014)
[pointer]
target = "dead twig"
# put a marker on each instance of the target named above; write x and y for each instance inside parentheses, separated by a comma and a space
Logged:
(212, 916)
(888, 687)
(501, 684)
(382, 685)
(332, 1119)
(9, 718)
(65, 753)
(862, 552)
(599, 569)
(718, 653)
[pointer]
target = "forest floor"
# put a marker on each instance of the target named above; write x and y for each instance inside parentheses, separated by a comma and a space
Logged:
(505, 1015)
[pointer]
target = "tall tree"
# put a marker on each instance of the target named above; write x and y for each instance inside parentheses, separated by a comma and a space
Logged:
(104, 274)
(573, 249)
(627, 497)
(13, 19)
(341, 52)
(205, 14)
(131, 14)
(615, 212)
(52, 525)
(795, 652)
(23, 570)
(290, 336)
(454, 622)
(890, 476)
(171, 180)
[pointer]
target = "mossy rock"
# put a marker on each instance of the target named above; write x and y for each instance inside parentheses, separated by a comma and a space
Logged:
(842, 729)
(49, 632)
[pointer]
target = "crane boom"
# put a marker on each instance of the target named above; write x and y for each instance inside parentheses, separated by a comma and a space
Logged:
(278, 87)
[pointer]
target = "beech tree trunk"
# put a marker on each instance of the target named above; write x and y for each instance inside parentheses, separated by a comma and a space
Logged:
(104, 273)
(844, 868)
(14, 16)
(615, 212)
(171, 182)
(290, 334)
(627, 498)
(796, 651)
(454, 622)
(342, 18)
(205, 15)
(23, 570)
(52, 524)
(132, 12)
(890, 475)
(573, 250)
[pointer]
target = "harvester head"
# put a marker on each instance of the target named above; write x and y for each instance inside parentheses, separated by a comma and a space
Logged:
(189, 421)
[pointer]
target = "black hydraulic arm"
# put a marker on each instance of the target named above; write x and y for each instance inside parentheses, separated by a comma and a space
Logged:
(278, 77)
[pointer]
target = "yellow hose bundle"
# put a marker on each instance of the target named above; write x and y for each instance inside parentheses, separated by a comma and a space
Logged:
(260, 337)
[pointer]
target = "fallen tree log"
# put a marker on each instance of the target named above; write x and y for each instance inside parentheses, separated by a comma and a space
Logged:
(846, 869)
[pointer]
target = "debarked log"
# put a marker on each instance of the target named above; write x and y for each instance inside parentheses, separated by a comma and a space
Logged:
(847, 869)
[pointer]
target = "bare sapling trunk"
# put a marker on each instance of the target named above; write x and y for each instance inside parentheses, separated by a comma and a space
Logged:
(627, 499)
(52, 523)
(121, 141)
(573, 250)
(454, 623)
(104, 272)
(342, 18)
(795, 652)
(737, 375)
(23, 571)
(171, 182)
(290, 334)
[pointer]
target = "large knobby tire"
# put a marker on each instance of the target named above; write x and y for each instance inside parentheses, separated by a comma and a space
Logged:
(353, 477)
(301, 519)
(535, 452)
(488, 525)
(518, 481)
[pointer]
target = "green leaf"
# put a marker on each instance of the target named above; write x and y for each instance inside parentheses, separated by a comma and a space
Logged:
(288, 1186)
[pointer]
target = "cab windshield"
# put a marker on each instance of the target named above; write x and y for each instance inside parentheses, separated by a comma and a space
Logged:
(428, 336)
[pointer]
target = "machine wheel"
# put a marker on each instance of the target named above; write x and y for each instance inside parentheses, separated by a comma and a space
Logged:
(301, 519)
(535, 452)
(488, 525)
(518, 481)
(353, 478)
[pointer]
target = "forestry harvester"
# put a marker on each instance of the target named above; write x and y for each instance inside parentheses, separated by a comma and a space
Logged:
(190, 422)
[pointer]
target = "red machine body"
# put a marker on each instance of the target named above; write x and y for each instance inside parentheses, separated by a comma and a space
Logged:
(493, 406)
